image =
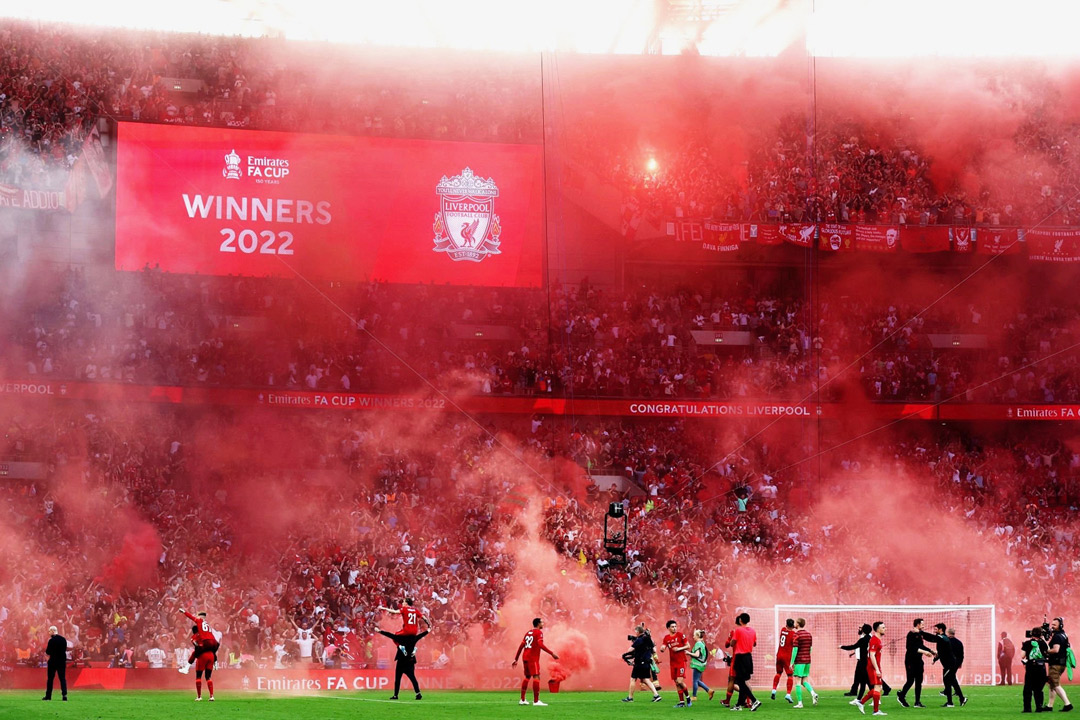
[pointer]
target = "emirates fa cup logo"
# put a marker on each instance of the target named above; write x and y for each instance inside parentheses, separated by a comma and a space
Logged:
(232, 166)
(466, 226)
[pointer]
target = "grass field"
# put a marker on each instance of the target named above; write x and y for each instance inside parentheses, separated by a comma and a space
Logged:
(985, 702)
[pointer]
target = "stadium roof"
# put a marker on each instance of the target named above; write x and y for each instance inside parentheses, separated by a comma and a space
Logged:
(841, 28)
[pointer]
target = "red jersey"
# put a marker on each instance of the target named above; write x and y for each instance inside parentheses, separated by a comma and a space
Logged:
(874, 652)
(531, 645)
(410, 620)
(745, 640)
(203, 634)
(678, 657)
(783, 650)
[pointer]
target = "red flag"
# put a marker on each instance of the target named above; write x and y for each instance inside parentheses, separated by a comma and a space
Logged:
(800, 234)
(998, 241)
(75, 191)
(963, 239)
(1060, 245)
(925, 238)
(721, 237)
(877, 238)
(94, 155)
(763, 234)
(836, 237)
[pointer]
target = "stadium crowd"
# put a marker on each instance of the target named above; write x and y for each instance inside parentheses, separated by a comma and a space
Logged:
(169, 545)
(56, 81)
(154, 328)
(838, 169)
(441, 509)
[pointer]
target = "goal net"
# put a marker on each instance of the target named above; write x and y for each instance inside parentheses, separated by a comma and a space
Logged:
(836, 625)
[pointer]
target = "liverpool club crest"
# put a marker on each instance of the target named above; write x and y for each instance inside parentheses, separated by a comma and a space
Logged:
(466, 226)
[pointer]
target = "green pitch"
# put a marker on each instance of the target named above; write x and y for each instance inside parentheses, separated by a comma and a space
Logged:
(985, 702)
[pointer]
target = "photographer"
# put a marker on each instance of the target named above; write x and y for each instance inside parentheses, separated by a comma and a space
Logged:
(639, 657)
(1056, 657)
(1033, 657)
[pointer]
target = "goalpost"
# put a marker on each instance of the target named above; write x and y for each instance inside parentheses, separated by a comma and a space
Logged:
(836, 625)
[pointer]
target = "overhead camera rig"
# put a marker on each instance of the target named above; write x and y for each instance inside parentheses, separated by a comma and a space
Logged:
(615, 527)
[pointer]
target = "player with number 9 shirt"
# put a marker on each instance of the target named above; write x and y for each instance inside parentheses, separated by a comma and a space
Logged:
(783, 658)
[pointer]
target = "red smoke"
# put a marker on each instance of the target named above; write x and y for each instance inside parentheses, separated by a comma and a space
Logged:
(135, 564)
(574, 655)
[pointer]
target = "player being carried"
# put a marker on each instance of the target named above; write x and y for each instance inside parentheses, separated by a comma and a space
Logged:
(411, 617)
(676, 645)
(205, 645)
(410, 634)
(803, 642)
(531, 645)
(783, 658)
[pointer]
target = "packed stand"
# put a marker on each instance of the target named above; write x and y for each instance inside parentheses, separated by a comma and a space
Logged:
(341, 548)
(838, 170)
(58, 80)
(155, 328)
(375, 508)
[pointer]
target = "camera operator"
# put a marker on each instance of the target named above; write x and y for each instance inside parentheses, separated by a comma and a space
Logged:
(1056, 657)
(639, 657)
(1033, 653)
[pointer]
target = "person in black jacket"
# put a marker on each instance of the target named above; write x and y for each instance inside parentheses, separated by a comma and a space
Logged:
(913, 662)
(859, 682)
(951, 654)
(405, 664)
(57, 666)
(640, 656)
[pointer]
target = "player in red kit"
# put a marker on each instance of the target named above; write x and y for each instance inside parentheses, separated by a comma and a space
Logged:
(873, 671)
(410, 634)
(783, 658)
(730, 643)
(406, 640)
(531, 645)
(676, 645)
(411, 617)
(204, 655)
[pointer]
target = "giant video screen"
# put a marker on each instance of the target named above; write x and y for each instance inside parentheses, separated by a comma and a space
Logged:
(220, 201)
